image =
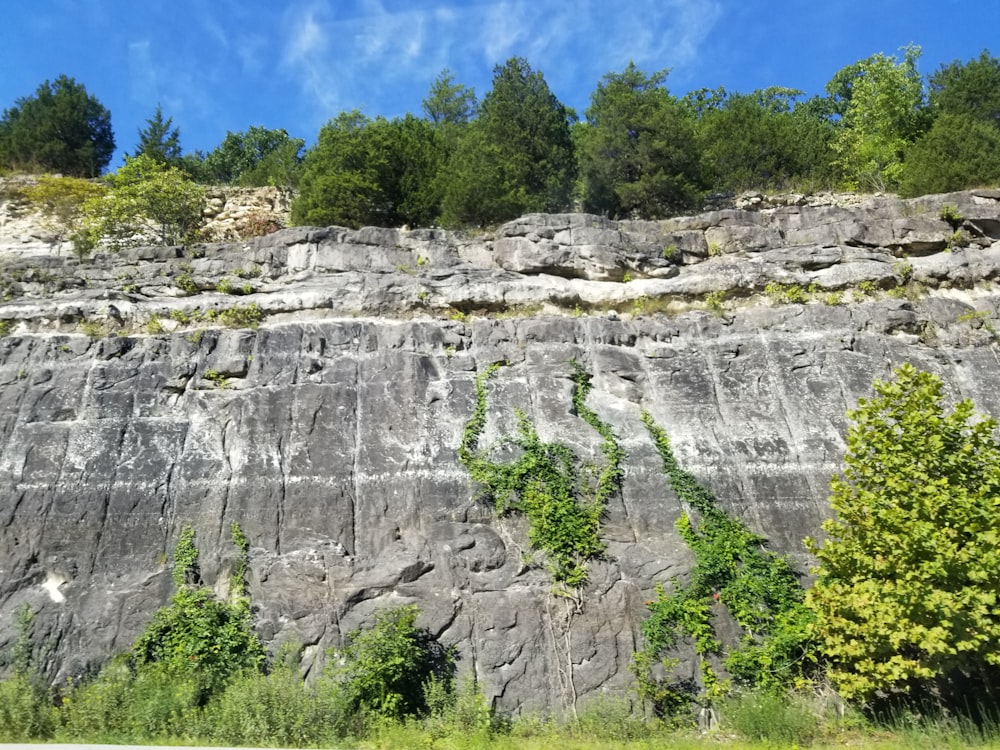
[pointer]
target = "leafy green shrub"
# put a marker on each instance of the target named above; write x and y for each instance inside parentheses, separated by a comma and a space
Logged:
(145, 195)
(61, 201)
(905, 598)
(198, 638)
(384, 670)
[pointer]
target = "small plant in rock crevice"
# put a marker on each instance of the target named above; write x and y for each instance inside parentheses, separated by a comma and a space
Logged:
(562, 500)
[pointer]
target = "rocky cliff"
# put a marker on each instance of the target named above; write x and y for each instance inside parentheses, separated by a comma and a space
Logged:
(313, 384)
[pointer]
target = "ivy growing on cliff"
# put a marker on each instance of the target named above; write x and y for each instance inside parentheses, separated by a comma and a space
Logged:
(734, 570)
(562, 499)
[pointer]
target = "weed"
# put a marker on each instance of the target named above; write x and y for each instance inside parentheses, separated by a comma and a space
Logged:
(958, 239)
(92, 328)
(626, 277)
(788, 294)
(195, 337)
(224, 286)
(421, 260)
(714, 249)
(216, 378)
(904, 270)
(672, 252)
(867, 287)
(249, 316)
(422, 295)
(185, 282)
(248, 273)
(951, 215)
(153, 326)
(7, 326)
(714, 301)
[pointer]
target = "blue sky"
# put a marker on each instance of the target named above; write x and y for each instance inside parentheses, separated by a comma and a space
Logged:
(218, 65)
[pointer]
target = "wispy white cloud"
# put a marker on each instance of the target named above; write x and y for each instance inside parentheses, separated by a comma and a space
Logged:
(370, 52)
(306, 51)
(141, 72)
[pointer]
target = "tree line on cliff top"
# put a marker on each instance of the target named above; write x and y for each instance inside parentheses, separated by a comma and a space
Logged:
(637, 151)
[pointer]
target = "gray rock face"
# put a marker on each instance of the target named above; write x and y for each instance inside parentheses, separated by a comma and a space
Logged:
(330, 432)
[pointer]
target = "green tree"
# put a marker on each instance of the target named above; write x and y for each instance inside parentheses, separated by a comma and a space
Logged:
(159, 141)
(516, 158)
(637, 149)
(959, 152)
(146, 197)
(881, 103)
(385, 669)
(370, 172)
(971, 88)
(255, 158)
(763, 140)
(449, 103)
(906, 593)
(60, 129)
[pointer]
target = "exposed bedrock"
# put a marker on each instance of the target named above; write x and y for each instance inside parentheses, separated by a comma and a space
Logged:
(330, 432)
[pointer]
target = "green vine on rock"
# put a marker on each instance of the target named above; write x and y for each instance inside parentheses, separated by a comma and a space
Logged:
(732, 569)
(563, 504)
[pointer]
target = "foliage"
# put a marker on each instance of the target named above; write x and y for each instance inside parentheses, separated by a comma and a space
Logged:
(369, 173)
(771, 716)
(449, 103)
(733, 570)
(637, 149)
(881, 102)
(969, 89)
(198, 639)
(563, 504)
(384, 669)
(26, 710)
(272, 710)
(763, 141)
(145, 196)
(957, 153)
(61, 200)
(158, 141)
(258, 157)
(60, 129)
(906, 595)
(516, 158)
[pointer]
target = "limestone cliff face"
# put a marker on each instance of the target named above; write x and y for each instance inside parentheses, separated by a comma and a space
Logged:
(330, 431)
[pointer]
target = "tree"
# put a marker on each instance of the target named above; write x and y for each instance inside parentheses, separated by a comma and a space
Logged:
(449, 103)
(881, 103)
(763, 140)
(60, 129)
(158, 141)
(255, 158)
(145, 196)
(523, 152)
(906, 594)
(638, 155)
(369, 172)
(971, 88)
(959, 152)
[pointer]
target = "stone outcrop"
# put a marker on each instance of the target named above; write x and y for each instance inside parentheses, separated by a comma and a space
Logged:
(329, 431)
